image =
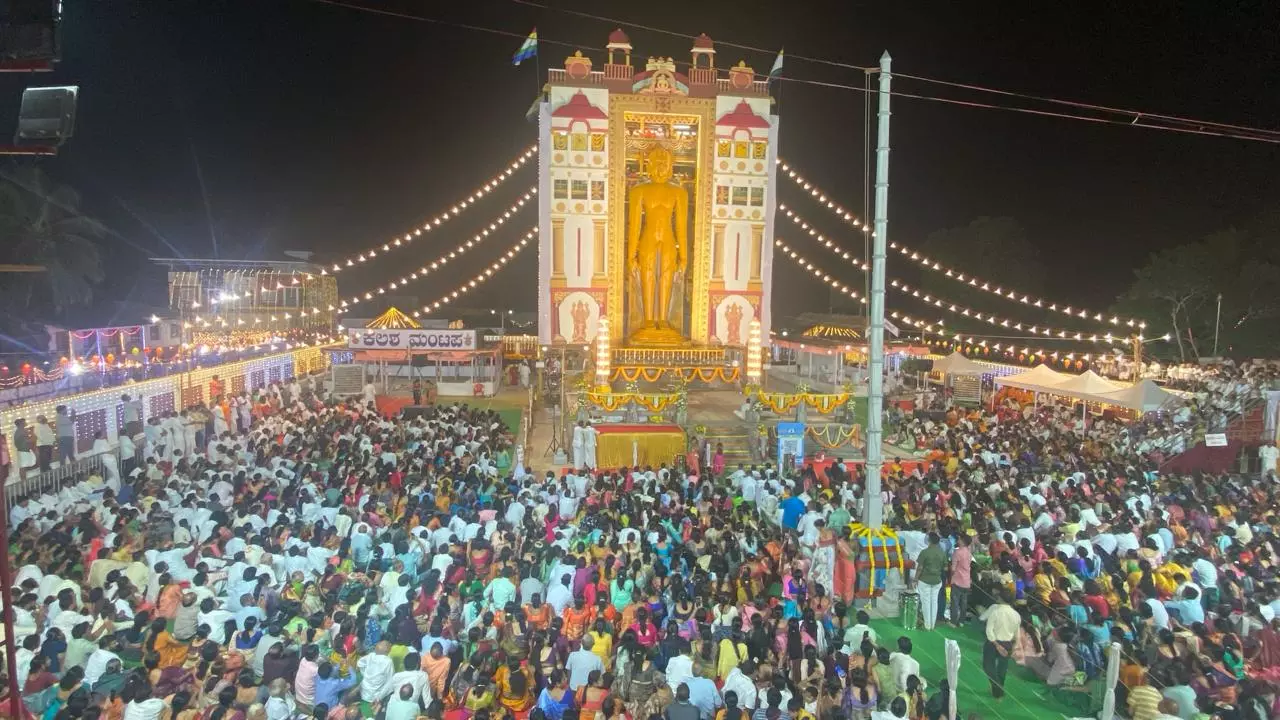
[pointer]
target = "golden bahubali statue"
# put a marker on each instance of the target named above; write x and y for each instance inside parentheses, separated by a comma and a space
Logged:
(657, 247)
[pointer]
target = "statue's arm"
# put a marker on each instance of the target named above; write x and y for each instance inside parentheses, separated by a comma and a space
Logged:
(635, 215)
(682, 229)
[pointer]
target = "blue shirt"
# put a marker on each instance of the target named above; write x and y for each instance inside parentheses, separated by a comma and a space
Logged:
(1189, 611)
(792, 509)
(704, 696)
(329, 690)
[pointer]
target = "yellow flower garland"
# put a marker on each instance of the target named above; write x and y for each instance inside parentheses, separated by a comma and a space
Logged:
(860, 531)
(842, 436)
(613, 401)
(823, 403)
(652, 374)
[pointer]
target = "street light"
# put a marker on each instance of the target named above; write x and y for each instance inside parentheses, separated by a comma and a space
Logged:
(1138, 342)
(503, 314)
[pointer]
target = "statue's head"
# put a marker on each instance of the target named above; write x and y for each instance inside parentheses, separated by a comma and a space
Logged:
(660, 161)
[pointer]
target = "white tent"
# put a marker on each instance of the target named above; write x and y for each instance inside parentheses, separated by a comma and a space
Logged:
(1088, 384)
(1145, 397)
(1040, 378)
(957, 364)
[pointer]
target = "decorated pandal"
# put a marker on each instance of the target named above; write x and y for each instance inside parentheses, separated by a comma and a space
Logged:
(655, 243)
(656, 230)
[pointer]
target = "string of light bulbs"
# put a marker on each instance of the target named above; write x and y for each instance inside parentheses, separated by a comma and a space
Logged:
(1010, 349)
(943, 303)
(437, 221)
(496, 222)
(817, 271)
(481, 277)
(938, 326)
(971, 280)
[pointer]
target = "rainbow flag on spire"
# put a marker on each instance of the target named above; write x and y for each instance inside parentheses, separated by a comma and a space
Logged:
(527, 50)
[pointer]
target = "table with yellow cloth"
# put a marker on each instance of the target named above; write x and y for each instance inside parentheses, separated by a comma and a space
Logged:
(654, 444)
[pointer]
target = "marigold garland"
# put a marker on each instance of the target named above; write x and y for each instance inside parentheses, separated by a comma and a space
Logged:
(823, 403)
(842, 436)
(652, 374)
(613, 401)
(861, 532)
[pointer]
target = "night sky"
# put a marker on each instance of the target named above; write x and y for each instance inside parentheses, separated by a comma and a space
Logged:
(320, 128)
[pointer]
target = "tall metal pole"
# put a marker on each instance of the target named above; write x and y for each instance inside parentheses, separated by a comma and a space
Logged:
(873, 514)
(1217, 323)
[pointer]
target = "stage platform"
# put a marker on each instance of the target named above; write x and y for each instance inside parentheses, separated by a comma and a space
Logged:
(627, 445)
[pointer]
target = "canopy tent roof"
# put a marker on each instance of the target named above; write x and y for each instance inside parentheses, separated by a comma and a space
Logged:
(393, 319)
(1040, 378)
(1089, 383)
(1146, 396)
(957, 364)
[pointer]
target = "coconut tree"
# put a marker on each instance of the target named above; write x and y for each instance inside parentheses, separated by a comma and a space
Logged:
(41, 225)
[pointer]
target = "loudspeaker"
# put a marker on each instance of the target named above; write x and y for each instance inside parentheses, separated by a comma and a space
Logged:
(48, 115)
(412, 411)
(418, 361)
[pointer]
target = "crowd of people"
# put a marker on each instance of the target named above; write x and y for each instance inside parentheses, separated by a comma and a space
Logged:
(313, 559)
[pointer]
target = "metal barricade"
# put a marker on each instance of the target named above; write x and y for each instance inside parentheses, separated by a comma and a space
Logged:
(52, 481)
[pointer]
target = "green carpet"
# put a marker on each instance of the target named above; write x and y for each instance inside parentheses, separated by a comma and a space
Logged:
(1026, 696)
(511, 416)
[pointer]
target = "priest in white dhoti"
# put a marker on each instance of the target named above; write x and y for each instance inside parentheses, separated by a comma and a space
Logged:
(579, 445)
(589, 437)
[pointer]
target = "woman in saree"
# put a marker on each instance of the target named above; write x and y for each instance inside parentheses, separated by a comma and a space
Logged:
(845, 571)
(822, 571)
(169, 598)
(515, 688)
(480, 555)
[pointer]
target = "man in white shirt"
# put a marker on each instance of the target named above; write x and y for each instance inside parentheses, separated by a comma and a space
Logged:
(680, 667)
(375, 673)
(96, 665)
(903, 665)
(739, 681)
(559, 596)
(414, 676)
(581, 662)
(589, 436)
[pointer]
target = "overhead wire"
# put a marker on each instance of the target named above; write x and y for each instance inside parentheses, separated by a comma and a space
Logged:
(1235, 132)
(1088, 106)
(651, 28)
(436, 21)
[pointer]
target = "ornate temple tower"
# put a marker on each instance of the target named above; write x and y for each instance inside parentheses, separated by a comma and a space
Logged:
(700, 229)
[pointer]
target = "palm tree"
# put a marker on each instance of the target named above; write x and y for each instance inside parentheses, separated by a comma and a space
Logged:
(41, 224)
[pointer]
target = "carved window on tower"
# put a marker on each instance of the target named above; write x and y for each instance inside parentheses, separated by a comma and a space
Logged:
(578, 190)
(597, 142)
(740, 195)
(597, 190)
(757, 197)
(724, 148)
(580, 142)
(759, 150)
(560, 189)
(722, 194)
(741, 149)
(560, 140)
